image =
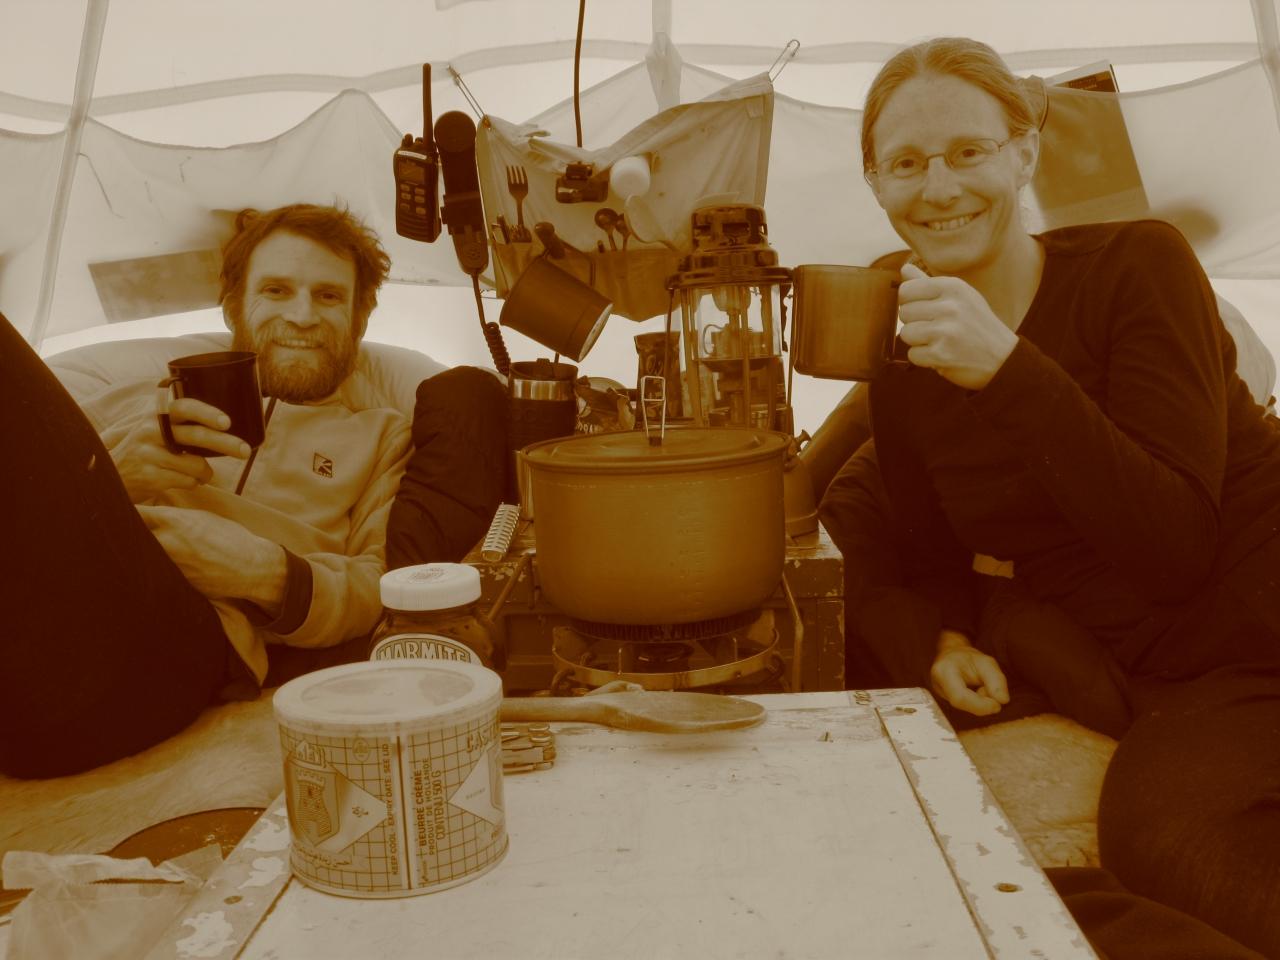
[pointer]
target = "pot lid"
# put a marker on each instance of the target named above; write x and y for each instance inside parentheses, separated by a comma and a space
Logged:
(681, 448)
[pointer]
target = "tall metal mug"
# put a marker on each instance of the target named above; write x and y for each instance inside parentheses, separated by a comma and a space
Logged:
(846, 319)
(541, 404)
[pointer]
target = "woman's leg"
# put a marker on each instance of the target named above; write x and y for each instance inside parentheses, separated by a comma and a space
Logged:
(105, 648)
(1037, 643)
(1190, 808)
(1121, 925)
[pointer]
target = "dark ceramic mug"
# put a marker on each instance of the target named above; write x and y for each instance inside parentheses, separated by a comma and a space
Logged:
(226, 379)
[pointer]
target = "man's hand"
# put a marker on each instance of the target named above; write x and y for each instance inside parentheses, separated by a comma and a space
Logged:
(949, 327)
(147, 466)
(966, 677)
(219, 557)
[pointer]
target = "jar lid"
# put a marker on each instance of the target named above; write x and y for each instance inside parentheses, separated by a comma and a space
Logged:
(388, 697)
(629, 451)
(430, 586)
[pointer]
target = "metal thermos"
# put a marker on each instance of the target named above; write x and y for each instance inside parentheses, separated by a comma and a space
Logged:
(541, 405)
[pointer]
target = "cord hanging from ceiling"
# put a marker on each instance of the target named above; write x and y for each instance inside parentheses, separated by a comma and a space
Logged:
(577, 65)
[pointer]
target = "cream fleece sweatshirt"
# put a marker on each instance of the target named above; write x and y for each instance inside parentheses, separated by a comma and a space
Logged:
(321, 487)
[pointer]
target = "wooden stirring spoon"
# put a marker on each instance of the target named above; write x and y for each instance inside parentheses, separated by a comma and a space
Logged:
(655, 711)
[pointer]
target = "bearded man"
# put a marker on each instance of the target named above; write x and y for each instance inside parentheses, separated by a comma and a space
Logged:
(147, 592)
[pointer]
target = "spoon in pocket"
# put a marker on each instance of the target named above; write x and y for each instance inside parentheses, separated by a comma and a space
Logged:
(606, 219)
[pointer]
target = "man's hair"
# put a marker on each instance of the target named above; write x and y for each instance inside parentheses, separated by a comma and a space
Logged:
(336, 229)
(959, 57)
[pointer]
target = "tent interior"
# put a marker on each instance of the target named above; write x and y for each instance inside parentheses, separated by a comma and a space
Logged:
(129, 130)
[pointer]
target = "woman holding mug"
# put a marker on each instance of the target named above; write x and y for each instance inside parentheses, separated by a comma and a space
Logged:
(1071, 417)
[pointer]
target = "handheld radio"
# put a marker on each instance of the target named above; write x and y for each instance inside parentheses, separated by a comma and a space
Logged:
(416, 168)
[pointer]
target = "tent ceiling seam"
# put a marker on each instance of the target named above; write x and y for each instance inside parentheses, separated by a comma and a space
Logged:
(391, 79)
(488, 58)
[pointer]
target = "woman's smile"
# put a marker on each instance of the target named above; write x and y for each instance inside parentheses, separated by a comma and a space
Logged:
(950, 224)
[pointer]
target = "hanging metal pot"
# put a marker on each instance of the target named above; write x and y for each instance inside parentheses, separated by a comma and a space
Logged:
(631, 532)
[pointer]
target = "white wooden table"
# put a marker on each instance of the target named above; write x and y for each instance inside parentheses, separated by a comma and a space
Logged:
(849, 824)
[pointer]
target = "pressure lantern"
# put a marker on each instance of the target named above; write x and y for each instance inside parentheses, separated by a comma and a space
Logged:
(732, 294)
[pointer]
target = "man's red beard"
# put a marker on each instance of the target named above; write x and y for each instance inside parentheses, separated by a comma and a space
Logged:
(297, 376)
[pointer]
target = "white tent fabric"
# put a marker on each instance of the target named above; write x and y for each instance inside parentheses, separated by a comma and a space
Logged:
(717, 147)
(131, 138)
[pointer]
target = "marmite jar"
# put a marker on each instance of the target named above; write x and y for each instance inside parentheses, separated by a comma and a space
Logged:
(429, 613)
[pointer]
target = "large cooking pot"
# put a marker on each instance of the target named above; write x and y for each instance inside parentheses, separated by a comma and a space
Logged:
(628, 532)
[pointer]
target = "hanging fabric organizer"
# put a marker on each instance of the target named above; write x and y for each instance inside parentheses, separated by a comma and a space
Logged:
(713, 151)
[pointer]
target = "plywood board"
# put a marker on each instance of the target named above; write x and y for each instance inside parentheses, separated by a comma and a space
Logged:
(847, 824)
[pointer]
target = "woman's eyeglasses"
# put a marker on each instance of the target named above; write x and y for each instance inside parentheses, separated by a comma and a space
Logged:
(964, 155)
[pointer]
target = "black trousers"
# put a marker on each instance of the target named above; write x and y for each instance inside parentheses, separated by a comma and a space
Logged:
(105, 648)
(1190, 806)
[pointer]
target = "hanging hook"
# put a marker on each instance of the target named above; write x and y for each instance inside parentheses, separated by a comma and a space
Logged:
(475, 104)
(788, 54)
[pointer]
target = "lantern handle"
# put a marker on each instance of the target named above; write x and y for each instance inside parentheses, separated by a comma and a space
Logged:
(657, 399)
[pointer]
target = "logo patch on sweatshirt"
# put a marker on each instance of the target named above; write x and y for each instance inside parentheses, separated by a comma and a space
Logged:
(322, 466)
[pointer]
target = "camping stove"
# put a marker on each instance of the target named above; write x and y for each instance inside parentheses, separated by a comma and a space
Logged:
(794, 641)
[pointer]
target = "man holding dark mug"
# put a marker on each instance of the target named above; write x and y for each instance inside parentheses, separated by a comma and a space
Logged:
(144, 593)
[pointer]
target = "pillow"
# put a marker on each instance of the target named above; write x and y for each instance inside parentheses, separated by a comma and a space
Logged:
(1254, 363)
(385, 375)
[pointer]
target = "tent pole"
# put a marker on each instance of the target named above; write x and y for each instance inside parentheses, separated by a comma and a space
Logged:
(1264, 22)
(95, 18)
(662, 59)
(660, 13)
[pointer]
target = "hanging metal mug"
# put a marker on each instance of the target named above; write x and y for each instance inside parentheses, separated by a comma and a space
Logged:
(556, 309)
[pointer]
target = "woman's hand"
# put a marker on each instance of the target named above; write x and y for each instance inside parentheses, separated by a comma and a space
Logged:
(966, 677)
(949, 327)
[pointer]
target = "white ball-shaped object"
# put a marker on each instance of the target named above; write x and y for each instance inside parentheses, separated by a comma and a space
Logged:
(629, 177)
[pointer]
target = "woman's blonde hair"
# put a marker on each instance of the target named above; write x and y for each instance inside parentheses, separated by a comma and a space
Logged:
(968, 60)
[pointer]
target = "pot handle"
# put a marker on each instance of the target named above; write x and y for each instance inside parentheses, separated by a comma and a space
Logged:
(653, 397)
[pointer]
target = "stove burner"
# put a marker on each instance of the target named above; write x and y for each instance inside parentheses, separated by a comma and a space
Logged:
(666, 632)
(655, 657)
(648, 656)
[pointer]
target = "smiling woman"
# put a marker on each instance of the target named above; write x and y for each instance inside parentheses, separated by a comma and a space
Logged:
(961, 216)
(1078, 494)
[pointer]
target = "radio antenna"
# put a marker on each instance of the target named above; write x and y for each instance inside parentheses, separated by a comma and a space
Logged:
(427, 135)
